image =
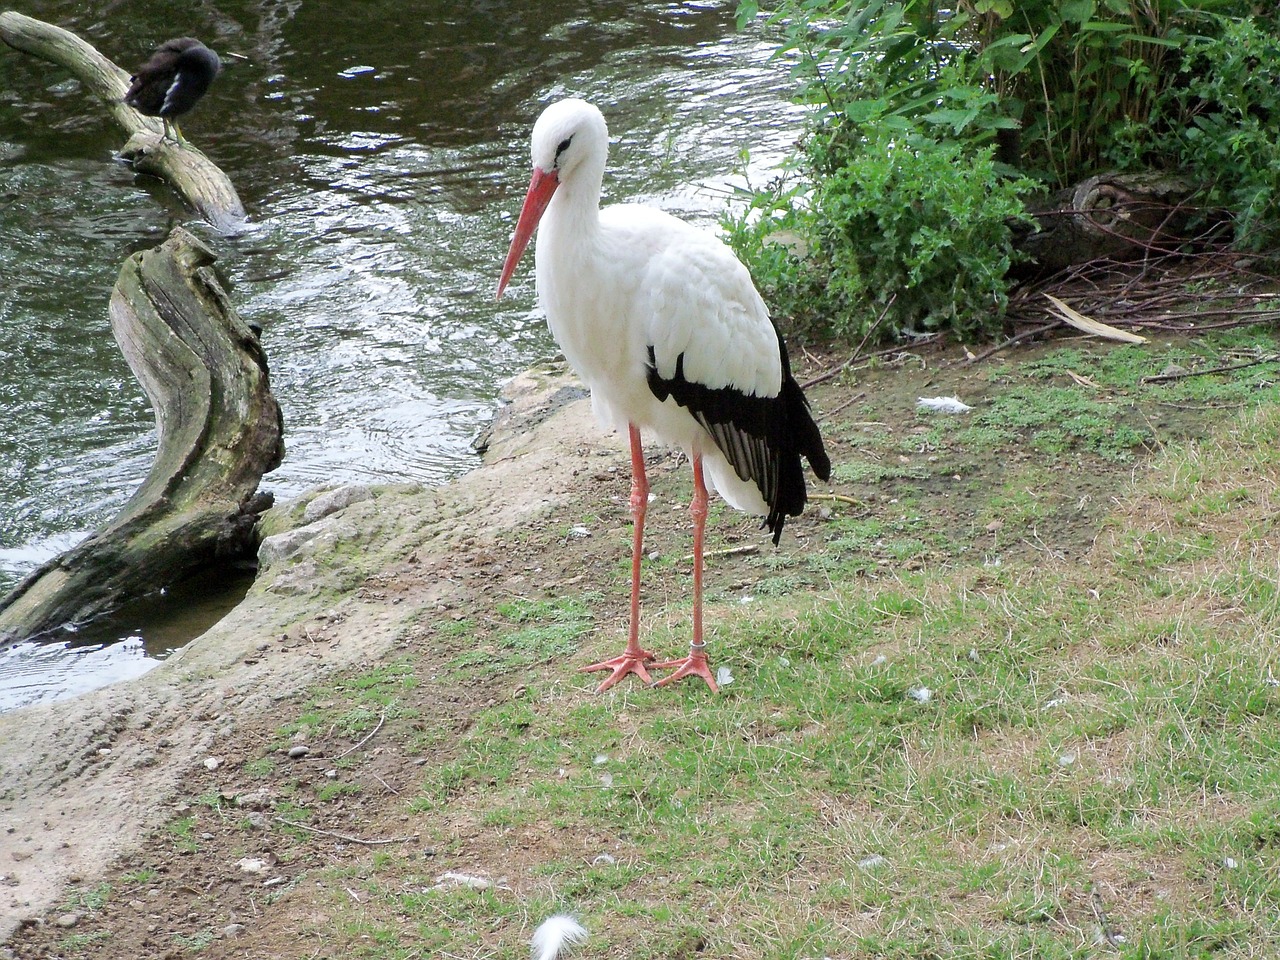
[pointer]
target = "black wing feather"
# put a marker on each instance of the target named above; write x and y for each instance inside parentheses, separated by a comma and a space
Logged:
(763, 438)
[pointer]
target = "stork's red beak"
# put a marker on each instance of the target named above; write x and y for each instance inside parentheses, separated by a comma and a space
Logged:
(541, 187)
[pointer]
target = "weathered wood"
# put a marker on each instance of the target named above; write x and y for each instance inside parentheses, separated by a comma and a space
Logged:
(220, 430)
(193, 175)
(1117, 216)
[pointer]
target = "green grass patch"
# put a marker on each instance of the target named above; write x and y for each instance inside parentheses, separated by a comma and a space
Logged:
(993, 760)
(1058, 753)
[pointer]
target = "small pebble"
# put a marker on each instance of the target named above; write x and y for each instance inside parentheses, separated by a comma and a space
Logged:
(298, 752)
(212, 763)
(67, 920)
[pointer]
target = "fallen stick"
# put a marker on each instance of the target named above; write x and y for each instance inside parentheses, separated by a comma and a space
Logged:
(838, 497)
(1012, 341)
(1229, 368)
(342, 836)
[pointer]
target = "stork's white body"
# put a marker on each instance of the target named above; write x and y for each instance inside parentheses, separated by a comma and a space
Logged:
(615, 281)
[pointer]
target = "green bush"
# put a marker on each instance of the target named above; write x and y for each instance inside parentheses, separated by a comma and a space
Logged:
(930, 126)
(1220, 123)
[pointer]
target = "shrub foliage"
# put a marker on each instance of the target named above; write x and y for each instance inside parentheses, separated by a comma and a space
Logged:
(931, 127)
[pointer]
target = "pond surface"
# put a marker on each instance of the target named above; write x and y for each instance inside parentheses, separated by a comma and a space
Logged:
(381, 150)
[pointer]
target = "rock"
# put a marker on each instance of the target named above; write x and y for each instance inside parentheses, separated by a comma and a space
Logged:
(233, 930)
(298, 752)
(335, 500)
(300, 580)
(257, 800)
(67, 920)
(212, 763)
(283, 545)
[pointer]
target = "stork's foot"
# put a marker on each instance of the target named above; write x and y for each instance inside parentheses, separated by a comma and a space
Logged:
(693, 665)
(624, 663)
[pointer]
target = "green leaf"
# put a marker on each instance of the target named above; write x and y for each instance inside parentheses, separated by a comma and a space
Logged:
(956, 119)
(1001, 8)
(1011, 53)
(1076, 11)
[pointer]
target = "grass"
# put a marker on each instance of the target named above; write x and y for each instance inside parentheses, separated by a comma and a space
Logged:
(1094, 772)
(986, 799)
(1097, 762)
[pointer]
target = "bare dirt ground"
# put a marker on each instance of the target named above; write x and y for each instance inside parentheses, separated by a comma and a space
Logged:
(96, 793)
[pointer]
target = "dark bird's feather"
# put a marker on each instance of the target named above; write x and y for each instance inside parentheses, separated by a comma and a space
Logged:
(174, 79)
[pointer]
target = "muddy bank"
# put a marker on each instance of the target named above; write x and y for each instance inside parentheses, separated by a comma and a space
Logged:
(82, 780)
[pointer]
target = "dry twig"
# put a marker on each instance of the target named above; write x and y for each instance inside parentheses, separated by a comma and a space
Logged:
(342, 836)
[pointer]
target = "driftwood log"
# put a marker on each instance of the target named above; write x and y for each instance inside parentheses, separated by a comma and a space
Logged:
(219, 429)
(1112, 216)
(193, 175)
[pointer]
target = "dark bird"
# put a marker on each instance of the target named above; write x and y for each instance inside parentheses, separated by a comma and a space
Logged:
(173, 81)
(665, 326)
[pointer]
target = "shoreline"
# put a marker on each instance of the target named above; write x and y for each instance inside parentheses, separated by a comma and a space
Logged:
(83, 780)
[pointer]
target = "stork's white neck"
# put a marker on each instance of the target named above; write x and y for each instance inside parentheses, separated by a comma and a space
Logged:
(573, 216)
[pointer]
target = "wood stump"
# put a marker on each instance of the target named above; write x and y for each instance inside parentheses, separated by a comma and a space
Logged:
(1110, 216)
(220, 430)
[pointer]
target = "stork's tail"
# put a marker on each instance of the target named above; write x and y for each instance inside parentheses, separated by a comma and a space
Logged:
(556, 936)
(802, 439)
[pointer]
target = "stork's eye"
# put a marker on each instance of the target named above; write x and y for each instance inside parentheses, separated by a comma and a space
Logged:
(561, 147)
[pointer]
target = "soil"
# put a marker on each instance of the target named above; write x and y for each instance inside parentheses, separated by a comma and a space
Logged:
(96, 790)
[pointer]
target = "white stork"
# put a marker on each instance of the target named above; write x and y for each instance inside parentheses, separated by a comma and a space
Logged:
(662, 322)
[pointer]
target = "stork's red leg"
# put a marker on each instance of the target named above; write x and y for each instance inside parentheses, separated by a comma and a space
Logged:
(696, 663)
(633, 659)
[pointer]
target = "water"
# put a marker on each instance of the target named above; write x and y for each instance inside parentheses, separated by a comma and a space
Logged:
(381, 151)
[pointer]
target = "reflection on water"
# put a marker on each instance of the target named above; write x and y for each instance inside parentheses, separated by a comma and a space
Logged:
(33, 673)
(381, 150)
(137, 639)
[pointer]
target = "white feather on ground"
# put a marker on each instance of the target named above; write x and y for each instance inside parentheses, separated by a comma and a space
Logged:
(557, 936)
(943, 404)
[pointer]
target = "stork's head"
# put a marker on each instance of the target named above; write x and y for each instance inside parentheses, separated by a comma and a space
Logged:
(566, 135)
(568, 146)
